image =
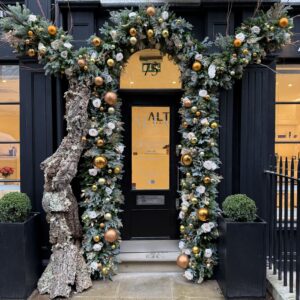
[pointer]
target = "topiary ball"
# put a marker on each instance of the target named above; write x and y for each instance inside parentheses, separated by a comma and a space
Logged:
(239, 208)
(14, 207)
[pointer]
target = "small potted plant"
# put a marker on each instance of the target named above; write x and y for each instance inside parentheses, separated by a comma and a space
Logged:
(242, 250)
(19, 251)
(6, 172)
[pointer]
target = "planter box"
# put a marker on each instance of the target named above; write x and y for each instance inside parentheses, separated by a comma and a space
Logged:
(20, 263)
(242, 259)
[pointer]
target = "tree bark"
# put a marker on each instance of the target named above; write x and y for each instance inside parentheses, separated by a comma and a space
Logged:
(67, 267)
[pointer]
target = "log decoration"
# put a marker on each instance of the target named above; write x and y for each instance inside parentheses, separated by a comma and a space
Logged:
(94, 130)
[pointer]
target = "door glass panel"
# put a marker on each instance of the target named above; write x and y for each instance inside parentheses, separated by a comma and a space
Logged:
(9, 83)
(150, 148)
(9, 123)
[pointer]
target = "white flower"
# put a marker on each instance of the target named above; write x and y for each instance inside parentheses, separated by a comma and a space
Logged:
(119, 56)
(93, 132)
(108, 191)
(132, 15)
(184, 197)
(240, 36)
(181, 215)
(204, 121)
(64, 54)
(94, 55)
(191, 135)
(120, 148)
(97, 102)
(211, 224)
(108, 131)
(200, 189)
(97, 247)
(94, 265)
(255, 29)
(55, 44)
(68, 45)
(93, 172)
(209, 165)
(203, 93)
(187, 251)
(111, 125)
(181, 245)
(32, 18)
(113, 34)
(212, 71)
(206, 227)
(41, 46)
(165, 15)
(92, 214)
(188, 275)
(198, 56)
(207, 253)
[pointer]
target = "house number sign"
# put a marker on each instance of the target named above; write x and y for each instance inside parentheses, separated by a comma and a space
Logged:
(151, 67)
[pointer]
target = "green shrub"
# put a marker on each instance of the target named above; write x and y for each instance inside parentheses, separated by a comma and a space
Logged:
(239, 208)
(14, 207)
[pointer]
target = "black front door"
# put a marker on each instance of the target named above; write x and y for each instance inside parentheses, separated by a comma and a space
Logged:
(150, 181)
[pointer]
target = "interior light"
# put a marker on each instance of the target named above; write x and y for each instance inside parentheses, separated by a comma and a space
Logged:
(4, 80)
(290, 85)
(131, 82)
(174, 82)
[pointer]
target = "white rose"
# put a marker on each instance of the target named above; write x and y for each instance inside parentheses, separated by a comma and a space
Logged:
(206, 227)
(203, 93)
(255, 29)
(191, 135)
(64, 54)
(55, 44)
(97, 247)
(108, 131)
(108, 191)
(185, 135)
(212, 71)
(120, 148)
(204, 121)
(188, 275)
(209, 165)
(113, 34)
(111, 125)
(119, 56)
(92, 214)
(240, 36)
(93, 172)
(200, 189)
(93, 132)
(94, 265)
(184, 197)
(181, 215)
(207, 253)
(68, 45)
(198, 56)
(165, 15)
(32, 18)
(41, 46)
(132, 15)
(187, 251)
(97, 102)
(181, 245)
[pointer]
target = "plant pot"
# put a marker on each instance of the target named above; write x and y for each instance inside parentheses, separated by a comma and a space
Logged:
(242, 259)
(20, 263)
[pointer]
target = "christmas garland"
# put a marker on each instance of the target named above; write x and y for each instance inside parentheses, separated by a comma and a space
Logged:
(203, 74)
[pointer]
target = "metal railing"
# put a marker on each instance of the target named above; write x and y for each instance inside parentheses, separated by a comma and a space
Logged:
(283, 253)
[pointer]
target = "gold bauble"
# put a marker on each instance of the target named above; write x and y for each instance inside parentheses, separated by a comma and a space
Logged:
(109, 171)
(96, 41)
(185, 124)
(150, 33)
(110, 62)
(207, 180)
(117, 170)
(237, 43)
(94, 188)
(194, 109)
(194, 200)
(195, 250)
(187, 102)
(100, 143)
(111, 110)
(186, 159)
(194, 140)
(160, 20)
(165, 33)
(96, 238)
(183, 261)
(52, 30)
(85, 68)
(107, 216)
(198, 113)
(101, 181)
(181, 228)
(132, 31)
(105, 271)
(214, 125)
(111, 235)
(203, 214)
(110, 98)
(98, 81)
(100, 162)
(81, 62)
(150, 11)
(245, 51)
(31, 52)
(30, 33)
(133, 40)
(283, 22)
(207, 97)
(196, 66)
(101, 225)
(83, 138)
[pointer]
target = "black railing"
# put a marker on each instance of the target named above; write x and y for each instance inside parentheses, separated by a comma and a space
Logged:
(283, 211)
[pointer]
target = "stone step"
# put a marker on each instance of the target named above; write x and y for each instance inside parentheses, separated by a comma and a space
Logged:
(148, 267)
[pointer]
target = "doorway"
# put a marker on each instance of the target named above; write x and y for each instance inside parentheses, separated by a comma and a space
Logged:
(151, 178)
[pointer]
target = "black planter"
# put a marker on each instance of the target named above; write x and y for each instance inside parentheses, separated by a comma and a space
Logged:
(242, 259)
(20, 264)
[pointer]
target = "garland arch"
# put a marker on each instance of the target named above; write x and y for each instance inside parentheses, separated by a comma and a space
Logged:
(94, 131)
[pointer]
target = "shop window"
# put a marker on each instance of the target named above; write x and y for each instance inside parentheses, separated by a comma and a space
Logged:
(287, 140)
(9, 129)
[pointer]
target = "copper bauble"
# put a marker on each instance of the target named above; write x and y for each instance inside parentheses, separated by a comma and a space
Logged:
(186, 159)
(81, 62)
(111, 235)
(100, 162)
(96, 238)
(100, 143)
(203, 214)
(183, 261)
(214, 125)
(283, 22)
(132, 31)
(110, 98)
(150, 33)
(98, 81)
(102, 225)
(196, 66)
(52, 30)
(237, 43)
(207, 180)
(31, 52)
(150, 11)
(187, 102)
(96, 41)
(195, 250)
(110, 62)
